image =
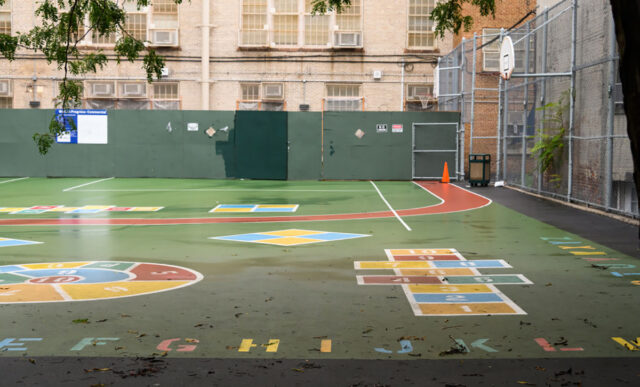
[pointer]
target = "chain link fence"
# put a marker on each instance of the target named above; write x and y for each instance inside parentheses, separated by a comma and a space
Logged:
(557, 127)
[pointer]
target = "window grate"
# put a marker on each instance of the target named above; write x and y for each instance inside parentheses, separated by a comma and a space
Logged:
(420, 26)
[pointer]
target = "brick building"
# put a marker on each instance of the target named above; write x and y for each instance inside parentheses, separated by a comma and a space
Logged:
(247, 54)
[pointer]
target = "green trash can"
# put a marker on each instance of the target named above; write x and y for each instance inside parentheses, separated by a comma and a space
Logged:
(479, 169)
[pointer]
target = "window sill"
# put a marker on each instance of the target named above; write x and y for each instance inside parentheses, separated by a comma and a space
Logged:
(300, 49)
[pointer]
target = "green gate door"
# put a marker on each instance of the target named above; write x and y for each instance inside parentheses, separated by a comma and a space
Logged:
(261, 145)
(433, 145)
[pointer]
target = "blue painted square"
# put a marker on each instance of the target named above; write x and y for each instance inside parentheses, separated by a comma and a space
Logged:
(248, 237)
(84, 211)
(236, 206)
(28, 211)
(479, 264)
(333, 236)
(15, 242)
(9, 269)
(457, 298)
(290, 209)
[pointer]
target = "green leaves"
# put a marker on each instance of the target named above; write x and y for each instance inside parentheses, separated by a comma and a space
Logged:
(324, 6)
(448, 15)
(550, 146)
(63, 24)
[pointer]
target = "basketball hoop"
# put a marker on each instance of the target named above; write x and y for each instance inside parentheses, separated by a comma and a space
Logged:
(507, 58)
(426, 101)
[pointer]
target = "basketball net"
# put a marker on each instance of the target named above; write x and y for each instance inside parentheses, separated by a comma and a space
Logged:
(426, 101)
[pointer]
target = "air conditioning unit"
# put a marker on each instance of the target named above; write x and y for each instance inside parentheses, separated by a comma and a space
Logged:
(5, 90)
(102, 90)
(414, 92)
(134, 90)
(167, 38)
(348, 39)
(273, 91)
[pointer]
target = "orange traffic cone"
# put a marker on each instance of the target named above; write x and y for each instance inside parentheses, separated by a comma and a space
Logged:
(445, 173)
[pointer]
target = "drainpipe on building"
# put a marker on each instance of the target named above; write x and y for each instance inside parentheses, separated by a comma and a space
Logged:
(206, 33)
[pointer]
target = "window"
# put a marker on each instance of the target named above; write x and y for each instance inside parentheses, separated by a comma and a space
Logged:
(420, 97)
(420, 33)
(262, 96)
(136, 25)
(6, 94)
(316, 27)
(156, 24)
(5, 18)
(166, 96)
(491, 52)
(254, 22)
(291, 23)
(285, 22)
(131, 95)
(343, 97)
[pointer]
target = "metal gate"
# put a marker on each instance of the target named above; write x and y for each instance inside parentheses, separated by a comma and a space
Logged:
(433, 145)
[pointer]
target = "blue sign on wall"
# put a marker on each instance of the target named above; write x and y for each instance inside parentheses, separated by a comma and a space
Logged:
(73, 120)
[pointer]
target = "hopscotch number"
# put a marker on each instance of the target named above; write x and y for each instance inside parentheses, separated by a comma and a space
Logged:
(116, 289)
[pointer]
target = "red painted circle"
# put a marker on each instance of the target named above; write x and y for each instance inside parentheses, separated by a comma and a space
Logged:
(56, 279)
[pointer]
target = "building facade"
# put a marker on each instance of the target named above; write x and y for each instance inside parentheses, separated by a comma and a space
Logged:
(247, 54)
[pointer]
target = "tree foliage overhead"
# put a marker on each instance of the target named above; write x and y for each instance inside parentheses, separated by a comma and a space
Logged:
(62, 24)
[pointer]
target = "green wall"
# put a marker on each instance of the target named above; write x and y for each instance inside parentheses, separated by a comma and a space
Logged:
(140, 145)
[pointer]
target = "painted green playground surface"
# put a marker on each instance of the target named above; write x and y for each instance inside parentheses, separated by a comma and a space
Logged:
(241, 299)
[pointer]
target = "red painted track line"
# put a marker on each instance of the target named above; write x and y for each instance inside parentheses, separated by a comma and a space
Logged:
(455, 199)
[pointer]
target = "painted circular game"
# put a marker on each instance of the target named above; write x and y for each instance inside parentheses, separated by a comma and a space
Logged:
(89, 280)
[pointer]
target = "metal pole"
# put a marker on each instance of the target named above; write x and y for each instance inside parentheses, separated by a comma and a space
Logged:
(572, 99)
(543, 96)
(473, 93)
(402, 86)
(498, 152)
(462, 107)
(525, 103)
(608, 161)
(505, 117)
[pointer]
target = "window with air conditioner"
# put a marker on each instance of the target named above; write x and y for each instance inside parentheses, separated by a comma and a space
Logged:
(156, 24)
(348, 39)
(165, 38)
(415, 92)
(133, 89)
(292, 23)
(261, 96)
(273, 91)
(101, 89)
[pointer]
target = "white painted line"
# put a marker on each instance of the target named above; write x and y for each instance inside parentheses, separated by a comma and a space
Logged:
(65, 296)
(389, 205)
(9, 181)
(221, 190)
(85, 184)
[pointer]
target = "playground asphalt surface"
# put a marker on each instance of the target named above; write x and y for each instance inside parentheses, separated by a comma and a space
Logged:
(458, 371)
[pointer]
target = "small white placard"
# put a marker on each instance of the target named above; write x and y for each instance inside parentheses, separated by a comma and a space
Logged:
(192, 127)
(397, 128)
(92, 129)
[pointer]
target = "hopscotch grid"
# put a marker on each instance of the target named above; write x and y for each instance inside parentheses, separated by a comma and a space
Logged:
(415, 306)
